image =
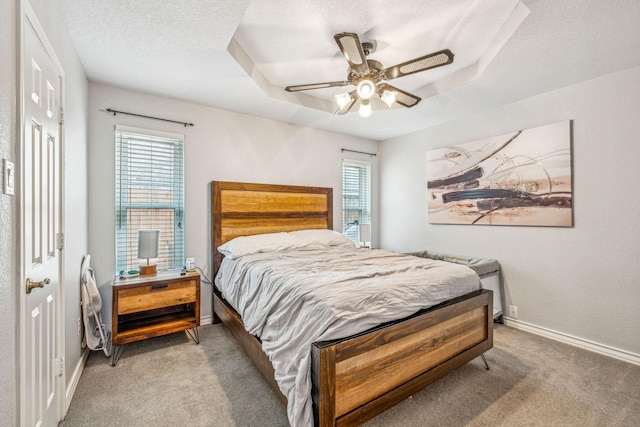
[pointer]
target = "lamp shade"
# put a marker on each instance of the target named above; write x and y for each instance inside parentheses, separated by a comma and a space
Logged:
(148, 243)
(365, 232)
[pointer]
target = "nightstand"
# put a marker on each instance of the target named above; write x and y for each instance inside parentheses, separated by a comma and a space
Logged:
(149, 306)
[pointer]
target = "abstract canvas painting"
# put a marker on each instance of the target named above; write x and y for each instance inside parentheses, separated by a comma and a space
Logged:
(520, 178)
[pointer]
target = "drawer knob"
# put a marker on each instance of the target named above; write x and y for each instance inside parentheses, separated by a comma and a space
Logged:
(161, 286)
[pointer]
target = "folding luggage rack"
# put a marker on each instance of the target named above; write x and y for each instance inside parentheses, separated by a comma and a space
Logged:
(96, 334)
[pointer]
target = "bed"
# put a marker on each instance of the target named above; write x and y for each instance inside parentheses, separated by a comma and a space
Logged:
(356, 377)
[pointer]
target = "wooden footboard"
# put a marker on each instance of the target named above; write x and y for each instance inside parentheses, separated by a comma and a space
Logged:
(358, 377)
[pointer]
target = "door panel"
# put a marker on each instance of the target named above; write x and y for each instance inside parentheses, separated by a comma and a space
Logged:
(41, 350)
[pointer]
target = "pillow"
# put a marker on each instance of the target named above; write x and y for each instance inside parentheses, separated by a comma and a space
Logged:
(322, 237)
(246, 245)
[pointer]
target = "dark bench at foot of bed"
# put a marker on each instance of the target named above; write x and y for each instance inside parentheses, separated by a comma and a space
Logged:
(488, 269)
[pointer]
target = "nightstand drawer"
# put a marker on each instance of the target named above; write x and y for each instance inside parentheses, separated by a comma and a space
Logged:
(156, 295)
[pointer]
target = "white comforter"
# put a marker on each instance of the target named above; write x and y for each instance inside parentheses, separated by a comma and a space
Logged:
(293, 298)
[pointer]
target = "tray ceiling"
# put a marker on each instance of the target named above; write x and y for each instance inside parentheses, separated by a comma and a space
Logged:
(239, 54)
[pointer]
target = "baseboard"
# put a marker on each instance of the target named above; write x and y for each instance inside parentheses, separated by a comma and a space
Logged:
(73, 384)
(605, 350)
(206, 320)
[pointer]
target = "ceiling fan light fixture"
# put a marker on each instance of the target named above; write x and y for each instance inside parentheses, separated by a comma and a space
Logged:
(343, 99)
(389, 97)
(366, 89)
(365, 109)
(369, 76)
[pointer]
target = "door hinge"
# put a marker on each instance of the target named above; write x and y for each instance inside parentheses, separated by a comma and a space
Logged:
(58, 366)
(60, 241)
(61, 117)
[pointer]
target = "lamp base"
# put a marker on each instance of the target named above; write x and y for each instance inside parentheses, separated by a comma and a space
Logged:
(147, 270)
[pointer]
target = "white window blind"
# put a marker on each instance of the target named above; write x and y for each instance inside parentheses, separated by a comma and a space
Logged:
(356, 197)
(149, 195)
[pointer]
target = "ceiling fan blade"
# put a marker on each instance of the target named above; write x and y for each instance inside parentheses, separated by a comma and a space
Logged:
(299, 88)
(344, 110)
(433, 60)
(349, 44)
(403, 98)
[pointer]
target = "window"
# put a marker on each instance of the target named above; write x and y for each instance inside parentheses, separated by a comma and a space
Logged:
(356, 197)
(149, 195)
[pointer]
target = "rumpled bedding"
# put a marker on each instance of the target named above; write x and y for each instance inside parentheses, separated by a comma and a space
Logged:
(292, 298)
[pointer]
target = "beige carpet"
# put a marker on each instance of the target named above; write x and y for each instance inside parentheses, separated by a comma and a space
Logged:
(533, 381)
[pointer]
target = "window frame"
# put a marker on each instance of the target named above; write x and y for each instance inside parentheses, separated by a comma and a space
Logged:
(127, 169)
(363, 184)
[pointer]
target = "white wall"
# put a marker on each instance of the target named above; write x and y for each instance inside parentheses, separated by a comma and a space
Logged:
(75, 207)
(222, 146)
(8, 256)
(580, 281)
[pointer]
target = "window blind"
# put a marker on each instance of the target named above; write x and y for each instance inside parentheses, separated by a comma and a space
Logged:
(149, 195)
(356, 197)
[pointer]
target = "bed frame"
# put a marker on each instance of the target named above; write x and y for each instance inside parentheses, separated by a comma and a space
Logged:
(357, 377)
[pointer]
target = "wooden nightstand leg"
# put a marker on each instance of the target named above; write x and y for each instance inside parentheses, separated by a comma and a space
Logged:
(193, 334)
(116, 354)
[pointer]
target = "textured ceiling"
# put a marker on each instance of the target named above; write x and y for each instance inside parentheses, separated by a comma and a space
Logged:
(239, 54)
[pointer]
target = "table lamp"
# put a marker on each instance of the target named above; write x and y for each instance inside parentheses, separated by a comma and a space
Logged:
(365, 234)
(148, 248)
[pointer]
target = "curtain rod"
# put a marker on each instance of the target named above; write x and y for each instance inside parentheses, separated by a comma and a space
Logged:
(148, 117)
(359, 152)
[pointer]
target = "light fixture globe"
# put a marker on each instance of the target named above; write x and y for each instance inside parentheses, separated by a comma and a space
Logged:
(389, 97)
(343, 99)
(365, 109)
(366, 89)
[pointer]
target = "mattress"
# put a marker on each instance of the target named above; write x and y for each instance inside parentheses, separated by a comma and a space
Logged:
(292, 298)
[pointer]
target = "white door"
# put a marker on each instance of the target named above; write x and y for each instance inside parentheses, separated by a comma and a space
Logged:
(41, 361)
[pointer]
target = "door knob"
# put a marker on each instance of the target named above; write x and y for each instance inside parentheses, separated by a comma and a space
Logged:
(40, 284)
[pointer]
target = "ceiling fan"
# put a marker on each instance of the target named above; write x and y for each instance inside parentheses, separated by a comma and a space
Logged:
(369, 76)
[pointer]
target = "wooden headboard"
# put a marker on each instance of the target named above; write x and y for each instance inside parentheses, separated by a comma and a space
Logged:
(243, 209)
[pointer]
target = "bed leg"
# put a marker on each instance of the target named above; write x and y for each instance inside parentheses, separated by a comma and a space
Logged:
(486, 365)
(215, 318)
